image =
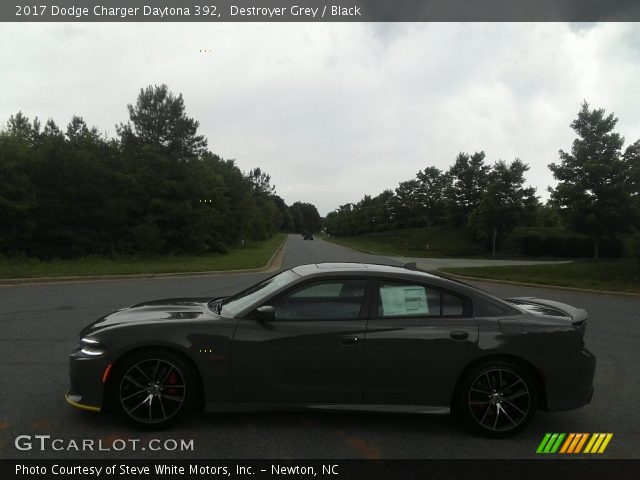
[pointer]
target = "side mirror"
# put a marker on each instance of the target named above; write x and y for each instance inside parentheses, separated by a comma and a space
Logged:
(265, 313)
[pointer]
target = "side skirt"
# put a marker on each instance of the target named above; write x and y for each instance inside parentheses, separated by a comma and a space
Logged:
(253, 407)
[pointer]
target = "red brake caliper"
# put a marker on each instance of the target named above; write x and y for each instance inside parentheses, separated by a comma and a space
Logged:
(172, 379)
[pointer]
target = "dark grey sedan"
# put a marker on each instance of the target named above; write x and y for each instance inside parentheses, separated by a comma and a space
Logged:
(339, 336)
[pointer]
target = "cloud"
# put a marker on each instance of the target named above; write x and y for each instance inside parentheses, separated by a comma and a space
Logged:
(336, 111)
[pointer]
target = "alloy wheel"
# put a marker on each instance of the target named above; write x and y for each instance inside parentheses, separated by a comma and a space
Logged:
(152, 391)
(499, 400)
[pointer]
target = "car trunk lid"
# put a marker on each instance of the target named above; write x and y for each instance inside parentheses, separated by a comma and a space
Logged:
(550, 308)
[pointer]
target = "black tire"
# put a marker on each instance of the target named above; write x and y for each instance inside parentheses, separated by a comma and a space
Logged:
(496, 399)
(153, 389)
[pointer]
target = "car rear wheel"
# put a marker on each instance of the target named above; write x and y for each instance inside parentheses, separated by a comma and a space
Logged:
(497, 399)
(153, 389)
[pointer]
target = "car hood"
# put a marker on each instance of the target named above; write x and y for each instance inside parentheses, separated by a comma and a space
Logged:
(155, 311)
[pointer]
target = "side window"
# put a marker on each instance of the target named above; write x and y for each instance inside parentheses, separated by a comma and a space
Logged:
(325, 300)
(413, 300)
(320, 290)
(452, 305)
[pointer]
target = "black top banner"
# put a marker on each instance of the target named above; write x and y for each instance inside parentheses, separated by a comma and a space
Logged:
(319, 10)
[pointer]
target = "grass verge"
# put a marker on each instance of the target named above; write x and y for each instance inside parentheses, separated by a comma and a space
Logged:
(612, 275)
(254, 255)
(414, 242)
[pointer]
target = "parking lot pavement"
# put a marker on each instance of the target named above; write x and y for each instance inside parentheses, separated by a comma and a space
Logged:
(39, 326)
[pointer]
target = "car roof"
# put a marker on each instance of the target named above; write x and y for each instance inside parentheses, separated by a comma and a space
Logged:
(405, 272)
(361, 268)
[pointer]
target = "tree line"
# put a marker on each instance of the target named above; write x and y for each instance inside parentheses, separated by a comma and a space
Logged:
(597, 195)
(154, 188)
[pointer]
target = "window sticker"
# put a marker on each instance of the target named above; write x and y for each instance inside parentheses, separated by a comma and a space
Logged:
(409, 300)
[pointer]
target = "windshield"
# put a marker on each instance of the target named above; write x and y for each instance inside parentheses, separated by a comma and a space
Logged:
(236, 304)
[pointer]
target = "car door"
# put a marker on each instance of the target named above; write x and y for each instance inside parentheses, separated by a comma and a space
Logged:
(418, 341)
(311, 352)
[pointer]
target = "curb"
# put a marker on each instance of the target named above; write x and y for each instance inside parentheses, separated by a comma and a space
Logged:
(540, 285)
(274, 264)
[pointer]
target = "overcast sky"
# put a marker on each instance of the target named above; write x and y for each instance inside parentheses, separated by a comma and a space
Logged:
(336, 111)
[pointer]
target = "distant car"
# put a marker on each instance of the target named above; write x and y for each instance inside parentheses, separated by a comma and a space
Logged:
(339, 337)
(307, 235)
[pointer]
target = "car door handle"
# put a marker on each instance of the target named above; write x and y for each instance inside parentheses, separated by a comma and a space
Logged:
(349, 339)
(459, 335)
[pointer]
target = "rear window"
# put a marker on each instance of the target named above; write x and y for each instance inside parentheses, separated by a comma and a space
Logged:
(487, 307)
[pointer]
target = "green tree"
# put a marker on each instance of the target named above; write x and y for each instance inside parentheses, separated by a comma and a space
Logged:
(631, 158)
(286, 218)
(406, 204)
(469, 176)
(547, 216)
(594, 191)
(158, 118)
(51, 130)
(78, 131)
(505, 204)
(433, 187)
(298, 219)
(77, 193)
(19, 127)
(17, 192)
(261, 182)
(310, 217)
(383, 213)
(339, 222)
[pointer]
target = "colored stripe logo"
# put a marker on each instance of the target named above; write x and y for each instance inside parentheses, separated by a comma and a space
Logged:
(573, 443)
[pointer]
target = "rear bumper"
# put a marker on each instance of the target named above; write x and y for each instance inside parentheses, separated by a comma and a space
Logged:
(569, 382)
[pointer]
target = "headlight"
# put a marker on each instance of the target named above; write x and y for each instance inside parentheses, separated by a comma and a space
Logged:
(91, 347)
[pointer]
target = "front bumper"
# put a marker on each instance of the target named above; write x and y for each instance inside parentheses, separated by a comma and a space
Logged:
(76, 401)
(86, 389)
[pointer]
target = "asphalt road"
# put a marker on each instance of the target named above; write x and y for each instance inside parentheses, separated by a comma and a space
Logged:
(39, 325)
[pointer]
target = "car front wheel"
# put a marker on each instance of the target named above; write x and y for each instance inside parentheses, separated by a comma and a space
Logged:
(497, 399)
(153, 389)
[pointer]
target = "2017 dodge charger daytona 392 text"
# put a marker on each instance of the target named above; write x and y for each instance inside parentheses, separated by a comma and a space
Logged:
(339, 336)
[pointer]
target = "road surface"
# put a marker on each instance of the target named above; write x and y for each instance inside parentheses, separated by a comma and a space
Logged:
(39, 326)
